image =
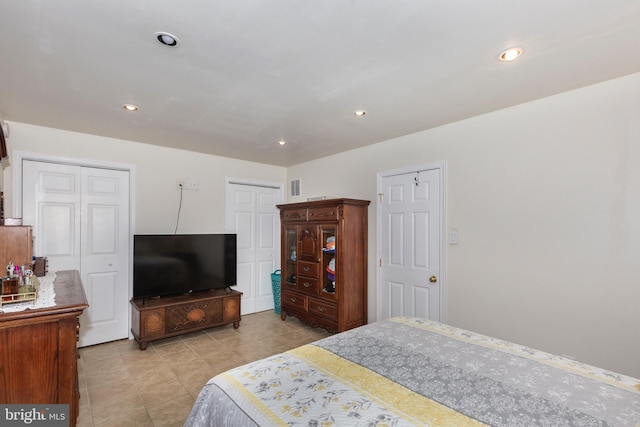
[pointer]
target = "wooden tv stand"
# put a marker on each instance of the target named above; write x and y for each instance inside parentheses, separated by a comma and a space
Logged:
(158, 318)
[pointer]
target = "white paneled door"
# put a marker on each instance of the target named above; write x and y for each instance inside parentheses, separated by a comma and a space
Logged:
(410, 217)
(81, 222)
(251, 213)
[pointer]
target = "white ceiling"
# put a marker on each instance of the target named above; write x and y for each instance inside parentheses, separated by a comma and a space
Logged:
(250, 72)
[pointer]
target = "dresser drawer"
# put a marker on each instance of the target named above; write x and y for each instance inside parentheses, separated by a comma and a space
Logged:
(309, 269)
(293, 299)
(323, 214)
(323, 308)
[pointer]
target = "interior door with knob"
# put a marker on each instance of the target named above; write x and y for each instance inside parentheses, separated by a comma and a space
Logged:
(410, 227)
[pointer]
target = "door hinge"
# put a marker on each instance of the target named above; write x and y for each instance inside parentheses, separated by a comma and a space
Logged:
(380, 196)
(380, 262)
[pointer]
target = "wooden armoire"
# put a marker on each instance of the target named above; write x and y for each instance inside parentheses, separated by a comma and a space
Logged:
(324, 262)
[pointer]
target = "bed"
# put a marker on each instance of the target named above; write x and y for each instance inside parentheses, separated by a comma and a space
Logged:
(409, 371)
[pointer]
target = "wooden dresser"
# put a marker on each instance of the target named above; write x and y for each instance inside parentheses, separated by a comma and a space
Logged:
(38, 354)
(324, 263)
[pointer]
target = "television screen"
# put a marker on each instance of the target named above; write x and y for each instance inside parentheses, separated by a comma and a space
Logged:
(172, 264)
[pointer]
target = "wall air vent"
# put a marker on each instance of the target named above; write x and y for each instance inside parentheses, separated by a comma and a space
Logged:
(295, 188)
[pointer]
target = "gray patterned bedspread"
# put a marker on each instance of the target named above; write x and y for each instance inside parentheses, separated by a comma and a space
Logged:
(409, 371)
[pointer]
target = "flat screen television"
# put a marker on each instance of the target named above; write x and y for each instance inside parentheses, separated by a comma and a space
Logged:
(174, 264)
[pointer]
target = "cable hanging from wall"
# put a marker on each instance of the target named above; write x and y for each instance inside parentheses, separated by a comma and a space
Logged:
(179, 209)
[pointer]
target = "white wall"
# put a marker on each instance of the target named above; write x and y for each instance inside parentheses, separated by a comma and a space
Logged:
(546, 199)
(156, 171)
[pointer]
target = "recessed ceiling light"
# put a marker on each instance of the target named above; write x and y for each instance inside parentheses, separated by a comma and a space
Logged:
(167, 39)
(130, 107)
(359, 113)
(282, 142)
(510, 54)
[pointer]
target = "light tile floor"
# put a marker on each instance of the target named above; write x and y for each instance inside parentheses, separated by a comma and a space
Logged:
(120, 385)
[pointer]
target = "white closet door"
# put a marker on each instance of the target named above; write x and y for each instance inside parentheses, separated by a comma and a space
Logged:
(104, 256)
(51, 204)
(251, 213)
(81, 222)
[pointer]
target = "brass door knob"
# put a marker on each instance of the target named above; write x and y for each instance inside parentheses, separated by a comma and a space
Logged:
(433, 279)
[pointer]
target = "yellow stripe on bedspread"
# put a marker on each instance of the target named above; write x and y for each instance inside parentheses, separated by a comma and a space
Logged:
(244, 397)
(409, 405)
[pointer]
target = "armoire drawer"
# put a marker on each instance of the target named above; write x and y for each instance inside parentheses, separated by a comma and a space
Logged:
(323, 308)
(308, 286)
(295, 300)
(309, 269)
(294, 214)
(323, 214)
